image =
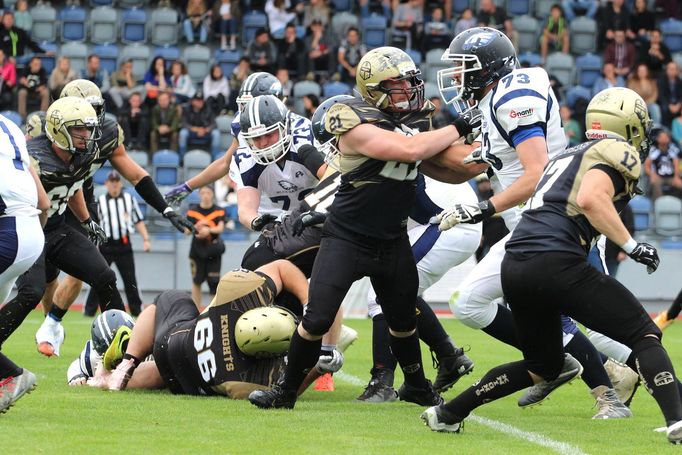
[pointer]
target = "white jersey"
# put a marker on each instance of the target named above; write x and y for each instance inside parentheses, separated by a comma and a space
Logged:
(237, 130)
(434, 196)
(522, 99)
(282, 189)
(18, 192)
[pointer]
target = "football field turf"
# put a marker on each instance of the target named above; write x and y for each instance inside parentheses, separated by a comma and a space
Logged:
(58, 419)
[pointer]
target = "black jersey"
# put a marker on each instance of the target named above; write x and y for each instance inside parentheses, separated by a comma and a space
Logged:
(554, 221)
(374, 197)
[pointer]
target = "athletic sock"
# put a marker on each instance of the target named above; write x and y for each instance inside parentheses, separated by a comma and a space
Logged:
(56, 313)
(430, 329)
(8, 368)
(381, 344)
(302, 357)
(584, 352)
(499, 382)
(408, 353)
(502, 327)
(675, 308)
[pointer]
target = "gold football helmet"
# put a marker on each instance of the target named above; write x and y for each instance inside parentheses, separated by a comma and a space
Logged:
(65, 114)
(264, 332)
(88, 90)
(385, 64)
(619, 113)
(35, 124)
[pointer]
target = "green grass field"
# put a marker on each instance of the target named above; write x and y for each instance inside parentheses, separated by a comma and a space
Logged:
(57, 418)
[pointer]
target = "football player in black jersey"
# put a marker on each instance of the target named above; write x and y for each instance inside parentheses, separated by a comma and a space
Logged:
(545, 272)
(365, 231)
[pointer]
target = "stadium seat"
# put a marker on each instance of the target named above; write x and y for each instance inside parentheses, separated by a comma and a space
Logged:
(131, 3)
(583, 35)
(44, 23)
(431, 90)
(133, 26)
(576, 92)
(194, 162)
(589, 68)
(76, 52)
(165, 164)
(459, 5)
(103, 25)
(532, 58)
(677, 58)
(169, 53)
(342, 5)
(518, 7)
(341, 22)
(336, 88)
(641, 209)
(527, 27)
(415, 55)
(251, 22)
(108, 55)
(49, 61)
(140, 54)
(561, 66)
(13, 116)
(225, 142)
(140, 157)
(95, 3)
(433, 63)
(224, 123)
(303, 88)
(198, 60)
(73, 21)
(374, 30)
(543, 7)
(672, 34)
(101, 174)
(164, 24)
(227, 60)
(668, 216)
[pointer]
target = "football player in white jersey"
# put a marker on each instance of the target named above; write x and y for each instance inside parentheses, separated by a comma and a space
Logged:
(521, 130)
(22, 199)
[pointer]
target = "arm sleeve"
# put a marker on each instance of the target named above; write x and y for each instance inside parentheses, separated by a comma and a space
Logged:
(150, 193)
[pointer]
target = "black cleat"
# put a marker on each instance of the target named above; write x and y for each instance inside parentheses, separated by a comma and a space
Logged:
(421, 396)
(274, 398)
(380, 388)
(451, 368)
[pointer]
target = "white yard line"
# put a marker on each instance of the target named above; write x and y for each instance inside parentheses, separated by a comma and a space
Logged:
(562, 448)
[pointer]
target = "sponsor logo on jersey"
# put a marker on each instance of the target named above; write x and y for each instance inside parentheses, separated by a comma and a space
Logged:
(518, 114)
(663, 378)
(288, 186)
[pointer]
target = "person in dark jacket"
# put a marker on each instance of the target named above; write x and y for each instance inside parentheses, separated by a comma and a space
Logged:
(13, 40)
(198, 126)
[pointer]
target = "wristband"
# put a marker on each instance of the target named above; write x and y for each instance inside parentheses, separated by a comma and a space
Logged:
(629, 246)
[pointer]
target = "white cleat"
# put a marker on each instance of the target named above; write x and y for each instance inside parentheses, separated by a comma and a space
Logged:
(50, 337)
(674, 433)
(13, 388)
(624, 380)
(346, 338)
(434, 418)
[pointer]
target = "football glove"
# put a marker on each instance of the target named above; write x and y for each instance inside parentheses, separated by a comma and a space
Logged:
(463, 214)
(474, 157)
(329, 361)
(177, 194)
(258, 223)
(179, 222)
(469, 123)
(95, 233)
(647, 255)
(305, 219)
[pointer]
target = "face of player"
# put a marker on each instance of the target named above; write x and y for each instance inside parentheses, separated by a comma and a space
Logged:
(266, 140)
(80, 136)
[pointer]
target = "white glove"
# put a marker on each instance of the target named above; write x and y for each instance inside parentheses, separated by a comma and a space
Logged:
(463, 213)
(474, 157)
(330, 363)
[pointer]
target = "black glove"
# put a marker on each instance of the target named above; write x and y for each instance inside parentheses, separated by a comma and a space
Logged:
(258, 223)
(647, 255)
(469, 122)
(179, 222)
(305, 219)
(95, 233)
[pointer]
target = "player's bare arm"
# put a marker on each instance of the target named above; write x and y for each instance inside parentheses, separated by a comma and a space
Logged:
(449, 167)
(124, 164)
(77, 205)
(248, 201)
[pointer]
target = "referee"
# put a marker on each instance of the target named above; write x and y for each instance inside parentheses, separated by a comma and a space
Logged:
(118, 212)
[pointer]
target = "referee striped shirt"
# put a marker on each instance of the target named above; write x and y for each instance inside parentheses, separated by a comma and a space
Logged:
(118, 215)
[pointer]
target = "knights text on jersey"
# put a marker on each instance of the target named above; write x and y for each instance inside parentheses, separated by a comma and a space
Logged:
(18, 192)
(553, 220)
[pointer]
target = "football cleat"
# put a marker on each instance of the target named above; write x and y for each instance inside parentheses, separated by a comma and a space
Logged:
(346, 338)
(674, 433)
(274, 398)
(15, 387)
(121, 375)
(438, 419)
(380, 388)
(610, 407)
(50, 337)
(450, 369)
(426, 396)
(537, 393)
(662, 320)
(325, 383)
(624, 380)
(117, 348)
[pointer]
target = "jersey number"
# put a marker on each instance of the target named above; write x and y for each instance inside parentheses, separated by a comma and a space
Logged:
(520, 78)
(399, 171)
(60, 195)
(629, 161)
(286, 200)
(550, 176)
(203, 336)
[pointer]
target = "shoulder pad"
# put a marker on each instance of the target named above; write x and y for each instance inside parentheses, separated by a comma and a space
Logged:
(619, 155)
(112, 136)
(343, 117)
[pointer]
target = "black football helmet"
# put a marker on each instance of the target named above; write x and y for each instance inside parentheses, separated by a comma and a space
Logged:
(262, 116)
(481, 56)
(325, 138)
(105, 326)
(258, 84)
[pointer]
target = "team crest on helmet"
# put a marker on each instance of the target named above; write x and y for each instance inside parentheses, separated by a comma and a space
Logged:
(366, 70)
(479, 39)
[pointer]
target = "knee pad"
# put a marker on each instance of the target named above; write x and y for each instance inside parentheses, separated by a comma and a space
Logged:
(645, 343)
(317, 325)
(402, 324)
(472, 310)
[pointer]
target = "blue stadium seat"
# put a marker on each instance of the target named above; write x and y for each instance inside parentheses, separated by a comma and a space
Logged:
(133, 25)
(165, 165)
(251, 22)
(73, 23)
(562, 67)
(459, 5)
(589, 68)
(342, 5)
(108, 55)
(527, 28)
(415, 55)
(374, 30)
(532, 58)
(101, 174)
(518, 7)
(198, 60)
(576, 92)
(227, 60)
(641, 208)
(668, 216)
(49, 61)
(341, 22)
(336, 88)
(169, 53)
(103, 25)
(164, 26)
(94, 3)
(13, 116)
(672, 34)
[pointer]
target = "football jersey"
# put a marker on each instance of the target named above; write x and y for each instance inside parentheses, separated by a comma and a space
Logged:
(522, 99)
(18, 192)
(283, 184)
(553, 220)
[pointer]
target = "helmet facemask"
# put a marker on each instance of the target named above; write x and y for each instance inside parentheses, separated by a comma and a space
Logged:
(242, 101)
(331, 153)
(90, 142)
(271, 153)
(413, 95)
(455, 84)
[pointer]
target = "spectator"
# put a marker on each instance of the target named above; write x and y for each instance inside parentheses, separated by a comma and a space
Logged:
(437, 33)
(677, 130)
(95, 74)
(316, 9)
(262, 52)
(278, 16)
(198, 126)
(572, 7)
(238, 76)
(61, 75)
(642, 22)
(613, 16)
(663, 167)
(310, 104)
(319, 46)
(491, 15)
(33, 86)
(440, 117)
(195, 27)
(382, 7)
(156, 79)
(670, 93)
(207, 247)
(8, 80)
(22, 18)
(672, 8)
(465, 22)
(555, 34)
(350, 52)
(14, 40)
(641, 82)
(614, 255)
(134, 120)
(180, 82)
(608, 79)
(574, 133)
(291, 51)
(165, 124)
(656, 54)
(621, 53)
(216, 90)
(228, 24)
(408, 21)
